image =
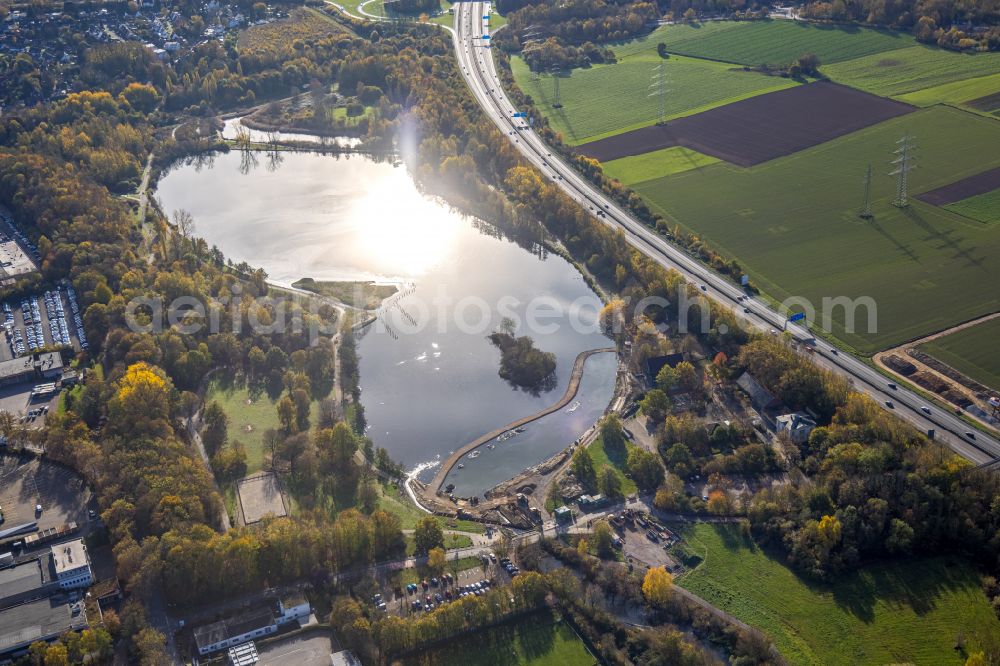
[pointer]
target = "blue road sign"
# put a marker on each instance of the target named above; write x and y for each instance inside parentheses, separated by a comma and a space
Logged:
(798, 316)
(520, 114)
(486, 17)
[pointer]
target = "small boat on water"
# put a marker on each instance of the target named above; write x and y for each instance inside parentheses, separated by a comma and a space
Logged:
(491, 446)
(510, 433)
(461, 466)
(475, 454)
(575, 405)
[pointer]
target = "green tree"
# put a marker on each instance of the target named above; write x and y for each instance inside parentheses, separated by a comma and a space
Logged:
(645, 469)
(655, 404)
(610, 483)
(583, 468)
(427, 534)
(603, 541)
(215, 427)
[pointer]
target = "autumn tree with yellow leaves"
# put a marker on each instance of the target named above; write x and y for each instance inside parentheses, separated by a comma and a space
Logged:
(657, 586)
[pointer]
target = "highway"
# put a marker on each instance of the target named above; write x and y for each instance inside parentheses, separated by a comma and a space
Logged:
(472, 47)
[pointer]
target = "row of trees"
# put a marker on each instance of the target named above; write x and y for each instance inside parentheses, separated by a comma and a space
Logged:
(577, 22)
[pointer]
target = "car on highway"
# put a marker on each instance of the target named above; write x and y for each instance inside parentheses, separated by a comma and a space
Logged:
(970, 434)
(891, 385)
(888, 403)
(703, 287)
(925, 409)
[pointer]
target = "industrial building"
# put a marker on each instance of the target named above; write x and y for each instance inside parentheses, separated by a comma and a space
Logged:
(256, 623)
(31, 368)
(40, 620)
(72, 565)
(35, 604)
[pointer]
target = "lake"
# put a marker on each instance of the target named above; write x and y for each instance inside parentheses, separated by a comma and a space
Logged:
(429, 375)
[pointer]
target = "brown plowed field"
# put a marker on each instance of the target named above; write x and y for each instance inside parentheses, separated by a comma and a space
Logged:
(761, 128)
(981, 183)
(987, 103)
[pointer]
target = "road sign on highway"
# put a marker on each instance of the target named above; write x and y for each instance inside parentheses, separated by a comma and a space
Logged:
(798, 316)
(486, 36)
(520, 114)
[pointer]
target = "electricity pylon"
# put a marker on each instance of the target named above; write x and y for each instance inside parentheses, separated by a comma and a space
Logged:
(658, 88)
(866, 207)
(904, 163)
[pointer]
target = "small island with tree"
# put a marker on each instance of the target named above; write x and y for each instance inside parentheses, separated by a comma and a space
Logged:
(521, 363)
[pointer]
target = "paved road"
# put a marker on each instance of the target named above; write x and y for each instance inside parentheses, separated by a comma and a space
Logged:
(480, 73)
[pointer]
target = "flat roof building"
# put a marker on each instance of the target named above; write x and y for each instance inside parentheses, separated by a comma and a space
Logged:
(40, 620)
(30, 368)
(25, 581)
(72, 565)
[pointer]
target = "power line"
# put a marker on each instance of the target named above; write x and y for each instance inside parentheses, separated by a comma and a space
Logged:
(904, 163)
(557, 103)
(866, 207)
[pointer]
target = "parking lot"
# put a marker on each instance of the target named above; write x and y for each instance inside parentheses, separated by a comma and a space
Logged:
(311, 648)
(18, 400)
(26, 482)
(449, 587)
(17, 255)
(46, 320)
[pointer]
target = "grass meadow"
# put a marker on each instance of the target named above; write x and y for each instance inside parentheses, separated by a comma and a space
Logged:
(539, 639)
(656, 164)
(913, 69)
(601, 460)
(955, 92)
(777, 42)
(793, 224)
(982, 207)
(972, 351)
(908, 611)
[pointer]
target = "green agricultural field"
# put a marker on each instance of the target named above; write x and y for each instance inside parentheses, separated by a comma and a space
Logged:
(982, 207)
(792, 223)
(955, 92)
(536, 640)
(601, 460)
(659, 163)
(904, 612)
(911, 69)
(775, 42)
(972, 351)
(609, 99)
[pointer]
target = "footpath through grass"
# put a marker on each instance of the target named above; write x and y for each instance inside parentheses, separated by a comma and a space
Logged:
(603, 100)
(540, 639)
(972, 351)
(776, 42)
(910, 611)
(793, 224)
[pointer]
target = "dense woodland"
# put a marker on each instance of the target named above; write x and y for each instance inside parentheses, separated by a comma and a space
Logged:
(876, 487)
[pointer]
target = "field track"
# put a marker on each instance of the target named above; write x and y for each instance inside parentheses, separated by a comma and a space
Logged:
(761, 128)
(981, 183)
